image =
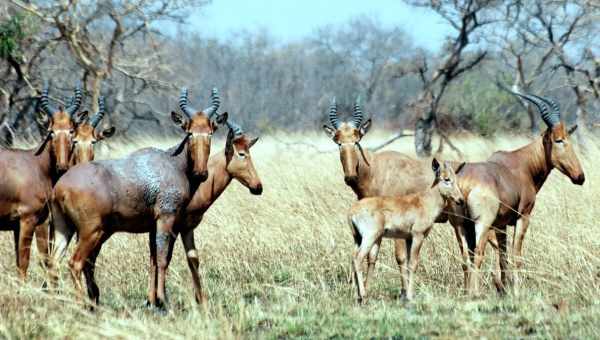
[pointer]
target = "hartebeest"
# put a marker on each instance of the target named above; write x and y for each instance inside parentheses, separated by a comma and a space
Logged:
(502, 191)
(234, 162)
(387, 173)
(27, 177)
(145, 192)
(407, 217)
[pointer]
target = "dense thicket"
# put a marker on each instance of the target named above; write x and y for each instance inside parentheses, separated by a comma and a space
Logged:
(120, 49)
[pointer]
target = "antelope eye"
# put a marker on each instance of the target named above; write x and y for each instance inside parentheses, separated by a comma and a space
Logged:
(242, 155)
(559, 141)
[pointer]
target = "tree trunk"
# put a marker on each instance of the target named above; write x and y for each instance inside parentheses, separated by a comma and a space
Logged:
(95, 84)
(423, 134)
(533, 126)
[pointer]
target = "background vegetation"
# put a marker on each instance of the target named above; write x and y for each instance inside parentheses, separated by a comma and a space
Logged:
(117, 48)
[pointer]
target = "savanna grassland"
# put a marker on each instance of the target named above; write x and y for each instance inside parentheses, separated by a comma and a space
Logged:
(277, 265)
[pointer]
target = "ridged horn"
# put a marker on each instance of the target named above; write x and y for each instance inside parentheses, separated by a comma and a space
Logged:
(357, 114)
(75, 102)
(333, 118)
(553, 105)
(97, 118)
(184, 103)
(237, 130)
(215, 102)
(550, 118)
(45, 102)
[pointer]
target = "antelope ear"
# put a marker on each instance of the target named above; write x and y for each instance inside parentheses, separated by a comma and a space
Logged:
(459, 167)
(435, 166)
(222, 118)
(42, 119)
(572, 129)
(329, 131)
(43, 145)
(229, 144)
(252, 142)
(178, 119)
(81, 117)
(365, 127)
(107, 133)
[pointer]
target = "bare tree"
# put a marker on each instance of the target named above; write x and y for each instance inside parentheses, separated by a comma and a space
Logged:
(108, 36)
(366, 48)
(563, 28)
(467, 18)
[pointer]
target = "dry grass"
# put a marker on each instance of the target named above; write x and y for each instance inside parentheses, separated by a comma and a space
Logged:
(277, 267)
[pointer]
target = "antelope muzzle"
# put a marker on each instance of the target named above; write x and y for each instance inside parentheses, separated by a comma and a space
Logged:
(200, 150)
(61, 145)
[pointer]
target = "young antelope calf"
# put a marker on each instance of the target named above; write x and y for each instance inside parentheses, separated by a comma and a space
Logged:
(407, 217)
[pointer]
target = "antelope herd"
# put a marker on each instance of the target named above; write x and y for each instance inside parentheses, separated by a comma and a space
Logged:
(58, 190)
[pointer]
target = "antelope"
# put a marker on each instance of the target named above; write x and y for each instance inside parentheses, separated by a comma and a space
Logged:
(369, 174)
(502, 192)
(234, 162)
(145, 192)
(407, 217)
(27, 177)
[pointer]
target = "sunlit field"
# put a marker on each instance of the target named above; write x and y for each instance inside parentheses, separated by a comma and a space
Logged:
(277, 265)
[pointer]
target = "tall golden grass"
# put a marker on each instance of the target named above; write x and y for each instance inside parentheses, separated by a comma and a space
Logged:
(276, 266)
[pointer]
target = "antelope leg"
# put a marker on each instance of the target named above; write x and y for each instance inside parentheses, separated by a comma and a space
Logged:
(193, 263)
(26, 229)
(415, 249)
(165, 239)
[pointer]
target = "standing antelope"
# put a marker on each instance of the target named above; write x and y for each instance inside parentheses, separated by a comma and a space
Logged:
(502, 191)
(27, 177)
(387, 173)
(234, 162)
(145, 192)
(407, 217)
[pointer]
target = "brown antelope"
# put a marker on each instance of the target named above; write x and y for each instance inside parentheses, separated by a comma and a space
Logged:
(27, 177)
(145, 192)
(234, 162)
(407, 217)
(502, 191)
(369, 174)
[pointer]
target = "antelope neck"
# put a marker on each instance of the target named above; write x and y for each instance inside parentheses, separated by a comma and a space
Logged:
(217, 181)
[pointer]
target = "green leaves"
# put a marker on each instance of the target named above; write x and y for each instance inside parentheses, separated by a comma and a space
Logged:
(12, 32)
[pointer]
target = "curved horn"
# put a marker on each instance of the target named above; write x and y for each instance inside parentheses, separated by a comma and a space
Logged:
(215, 102)
(553, 105)
(75, 102)
(237, 130)
(333, 118)
(357, 114)
(548, 117)
(100, 114)
(184, 103)
(45, 102)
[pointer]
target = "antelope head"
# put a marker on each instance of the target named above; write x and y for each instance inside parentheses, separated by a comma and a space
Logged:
(199, 127)
(347, 135)
(61, 128)
(86, 135)
(445, 180)
(239, 160)
(558, 149)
